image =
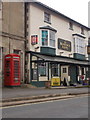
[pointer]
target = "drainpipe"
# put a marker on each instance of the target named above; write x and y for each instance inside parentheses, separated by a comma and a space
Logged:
(25, 36)
(89, 35)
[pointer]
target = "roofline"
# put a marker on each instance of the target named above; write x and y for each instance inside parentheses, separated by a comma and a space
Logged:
(53, 10)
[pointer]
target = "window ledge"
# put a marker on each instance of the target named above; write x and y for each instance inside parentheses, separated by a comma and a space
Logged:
(47, 22)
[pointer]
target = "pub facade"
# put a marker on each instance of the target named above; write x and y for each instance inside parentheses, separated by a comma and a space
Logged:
(56, 47)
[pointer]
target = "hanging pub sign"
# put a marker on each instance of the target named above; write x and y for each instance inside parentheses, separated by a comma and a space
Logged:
(64, 45)
(34, 39)
(88, 49)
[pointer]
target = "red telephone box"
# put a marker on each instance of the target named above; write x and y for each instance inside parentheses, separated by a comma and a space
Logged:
(12, 70)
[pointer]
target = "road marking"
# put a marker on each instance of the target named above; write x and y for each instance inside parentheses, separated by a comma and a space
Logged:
(43, 102)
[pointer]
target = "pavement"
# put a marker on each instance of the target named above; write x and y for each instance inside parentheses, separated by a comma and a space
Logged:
(23, 95)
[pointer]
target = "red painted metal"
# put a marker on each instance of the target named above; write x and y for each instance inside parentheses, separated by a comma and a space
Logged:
(12, 70)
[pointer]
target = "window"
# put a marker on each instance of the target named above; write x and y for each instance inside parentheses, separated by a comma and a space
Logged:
(64, 70)
(16, 51)
(82, 71)
(42, 69)
(44, 38)
(70, 25)
(48, 38)
(47, 17)
(54, 69)
(52, 38)
(79, 45)
(82, 30)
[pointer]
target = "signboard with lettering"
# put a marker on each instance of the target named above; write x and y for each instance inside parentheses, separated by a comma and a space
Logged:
(88, 49)
(64, 45)
(55, 82)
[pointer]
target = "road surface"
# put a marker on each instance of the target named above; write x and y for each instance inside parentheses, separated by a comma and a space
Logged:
(69, 108)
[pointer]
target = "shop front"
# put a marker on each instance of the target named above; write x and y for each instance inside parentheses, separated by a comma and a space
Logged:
(59, 70)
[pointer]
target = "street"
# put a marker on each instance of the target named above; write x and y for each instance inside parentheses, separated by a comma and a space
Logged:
(69, 108)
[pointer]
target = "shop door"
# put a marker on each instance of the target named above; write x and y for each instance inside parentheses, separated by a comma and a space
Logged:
(74, 74)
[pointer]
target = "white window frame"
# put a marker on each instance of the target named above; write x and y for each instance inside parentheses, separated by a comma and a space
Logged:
(48, 39)
(64, 70)
(79, 48)
(51, 39)
(49, 16)
(57, 71)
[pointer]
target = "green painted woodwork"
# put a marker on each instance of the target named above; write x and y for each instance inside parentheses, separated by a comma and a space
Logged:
(38, 83)
(48, 50)
(73, 72)
(79, 56)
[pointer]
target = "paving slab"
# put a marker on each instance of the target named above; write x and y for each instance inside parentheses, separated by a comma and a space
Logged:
(17, 92)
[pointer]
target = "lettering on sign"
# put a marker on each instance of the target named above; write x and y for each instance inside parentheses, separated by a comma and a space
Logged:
(55, 82)
(64, 45)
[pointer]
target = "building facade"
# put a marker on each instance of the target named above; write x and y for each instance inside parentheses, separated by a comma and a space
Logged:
(12, 33)
(56, 47)
(0, 45)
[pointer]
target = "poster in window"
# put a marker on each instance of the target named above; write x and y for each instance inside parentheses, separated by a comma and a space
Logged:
(34, 39)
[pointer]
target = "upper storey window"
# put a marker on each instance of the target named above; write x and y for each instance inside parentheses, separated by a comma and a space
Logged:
(70, 25)
(82, 30)
(48, 38)
(79, 44)
(45, 37)
(47, 17)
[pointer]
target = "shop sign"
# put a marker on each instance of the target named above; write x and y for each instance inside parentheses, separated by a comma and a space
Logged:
(34, 39)
(55, 82)
(88, 49)
(64, 45)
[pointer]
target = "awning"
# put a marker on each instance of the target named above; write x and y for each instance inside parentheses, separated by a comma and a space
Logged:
(60, 59)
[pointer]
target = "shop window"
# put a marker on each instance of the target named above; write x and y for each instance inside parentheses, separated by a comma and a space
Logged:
(54, 69)
(70, 25)
(44, 37)
(42, 69)
(64, 70)
(47, 17)
(52, 38)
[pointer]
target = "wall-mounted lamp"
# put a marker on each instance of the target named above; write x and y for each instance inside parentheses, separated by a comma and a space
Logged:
(36, 48)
